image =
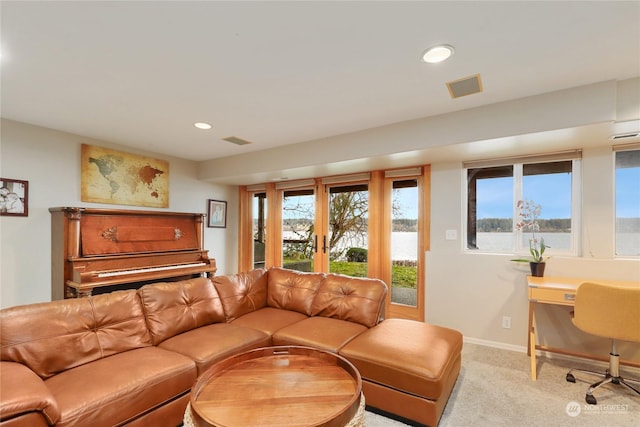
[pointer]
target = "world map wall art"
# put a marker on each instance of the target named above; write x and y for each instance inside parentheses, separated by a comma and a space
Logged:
(119, 178)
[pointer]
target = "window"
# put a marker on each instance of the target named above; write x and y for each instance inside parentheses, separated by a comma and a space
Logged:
(627, 202)
(493, 192)
(549, 185)
(490, 208)
(259, 229)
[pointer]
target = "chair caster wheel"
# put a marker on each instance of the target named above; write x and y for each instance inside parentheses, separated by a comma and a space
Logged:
(571, 378)
(590, 399)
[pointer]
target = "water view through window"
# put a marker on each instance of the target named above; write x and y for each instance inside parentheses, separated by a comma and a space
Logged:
(347, 238)
(492, 206)
(297, 230)
(628, 203)
(404, 242)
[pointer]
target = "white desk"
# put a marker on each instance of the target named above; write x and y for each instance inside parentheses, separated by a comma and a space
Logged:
(557, 291)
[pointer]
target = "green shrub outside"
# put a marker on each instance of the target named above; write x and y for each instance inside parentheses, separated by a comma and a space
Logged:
(357, 255)
(403, 277)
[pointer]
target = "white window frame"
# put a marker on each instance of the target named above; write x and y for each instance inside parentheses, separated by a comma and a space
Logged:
(616, 149)
(518, 246)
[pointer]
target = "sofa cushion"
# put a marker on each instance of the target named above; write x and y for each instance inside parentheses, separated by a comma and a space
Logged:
(23, 392)
(413, 357)
(319, 332)
(31, 419)
(212, 343)
(176, 307)
(269, 319)
(293, 290)
(242, 293)
(87, 329)
(356, 299)
(115, 389)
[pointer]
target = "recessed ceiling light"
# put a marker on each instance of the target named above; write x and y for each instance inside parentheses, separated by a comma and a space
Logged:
(438, 53)
(201, 125)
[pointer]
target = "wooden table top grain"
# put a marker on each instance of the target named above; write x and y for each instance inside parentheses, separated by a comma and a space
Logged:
(278, 386)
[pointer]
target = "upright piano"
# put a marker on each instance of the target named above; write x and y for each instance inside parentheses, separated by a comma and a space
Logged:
(101, 250)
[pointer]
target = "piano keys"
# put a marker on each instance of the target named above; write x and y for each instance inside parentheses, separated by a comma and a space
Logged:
(100, 250)
(146, 270)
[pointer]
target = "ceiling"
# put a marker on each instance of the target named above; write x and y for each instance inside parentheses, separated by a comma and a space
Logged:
(141, 73)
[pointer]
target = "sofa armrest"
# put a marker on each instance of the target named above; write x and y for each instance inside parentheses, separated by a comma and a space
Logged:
(22, 392)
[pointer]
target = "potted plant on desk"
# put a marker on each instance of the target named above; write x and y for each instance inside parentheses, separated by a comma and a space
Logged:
(529, 213)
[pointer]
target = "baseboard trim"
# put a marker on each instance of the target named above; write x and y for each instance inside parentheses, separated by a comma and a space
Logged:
(495, 344)
(542, 353)
(522, 349)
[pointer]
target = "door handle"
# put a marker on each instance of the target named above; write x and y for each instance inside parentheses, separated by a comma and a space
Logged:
(315, 244)
(324, 244)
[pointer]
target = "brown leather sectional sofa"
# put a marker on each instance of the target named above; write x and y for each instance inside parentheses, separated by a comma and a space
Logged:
(131, 357)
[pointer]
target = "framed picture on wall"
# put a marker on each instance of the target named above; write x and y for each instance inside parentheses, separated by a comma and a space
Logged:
(14, 197)
(217, 214)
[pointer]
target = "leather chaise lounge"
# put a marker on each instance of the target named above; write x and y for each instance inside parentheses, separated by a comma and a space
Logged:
(131, 357)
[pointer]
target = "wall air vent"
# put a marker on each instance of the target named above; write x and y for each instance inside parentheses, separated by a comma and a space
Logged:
(236, 140)
(625, 135)
(465, 86)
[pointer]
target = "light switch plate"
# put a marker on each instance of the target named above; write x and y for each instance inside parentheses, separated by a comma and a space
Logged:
(451, 235)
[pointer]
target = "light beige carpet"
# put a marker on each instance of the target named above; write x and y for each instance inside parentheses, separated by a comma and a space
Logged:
(495, 389)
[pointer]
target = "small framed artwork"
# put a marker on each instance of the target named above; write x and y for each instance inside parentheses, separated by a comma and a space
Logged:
(14, 197)
(217, 214)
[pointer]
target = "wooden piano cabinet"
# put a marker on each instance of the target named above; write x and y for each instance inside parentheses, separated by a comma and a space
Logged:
(108, 249)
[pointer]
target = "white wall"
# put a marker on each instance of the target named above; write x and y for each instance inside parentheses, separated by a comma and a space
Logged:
(408, 141)
(50, 161)
(471, 292)
(468, 292)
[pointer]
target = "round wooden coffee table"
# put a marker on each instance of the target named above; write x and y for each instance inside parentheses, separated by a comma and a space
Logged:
(283, 386)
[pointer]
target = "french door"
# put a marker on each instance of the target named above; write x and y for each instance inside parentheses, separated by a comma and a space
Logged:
(344, 227)
(324, 225)
(407, 241)
(299, 240)
(368, 225)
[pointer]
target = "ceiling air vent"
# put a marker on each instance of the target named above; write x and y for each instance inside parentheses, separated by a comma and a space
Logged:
(465, 86)
(236, 140)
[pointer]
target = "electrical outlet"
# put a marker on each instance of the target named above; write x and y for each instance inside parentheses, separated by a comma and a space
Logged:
(506, 322)
(451, 235)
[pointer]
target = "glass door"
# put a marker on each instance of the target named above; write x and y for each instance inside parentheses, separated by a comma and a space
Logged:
(404, 243)
(259, 232)
(298, 238)
(346, 237)
(364, 225)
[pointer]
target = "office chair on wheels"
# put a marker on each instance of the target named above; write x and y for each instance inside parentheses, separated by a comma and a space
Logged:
(610, 311)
